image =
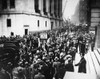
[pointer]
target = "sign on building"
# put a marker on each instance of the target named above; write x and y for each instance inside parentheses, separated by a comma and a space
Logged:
(43, 35)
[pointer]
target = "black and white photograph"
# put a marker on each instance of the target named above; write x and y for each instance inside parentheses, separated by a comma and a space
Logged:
(49, 39)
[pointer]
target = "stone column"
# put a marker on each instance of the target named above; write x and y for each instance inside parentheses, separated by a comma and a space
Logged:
(97, 40)
(52, 7)
(47, 6)
(30, 6)
(8, 4)
(33, 6)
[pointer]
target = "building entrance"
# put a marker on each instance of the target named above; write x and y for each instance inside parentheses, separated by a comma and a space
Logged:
(26, 31)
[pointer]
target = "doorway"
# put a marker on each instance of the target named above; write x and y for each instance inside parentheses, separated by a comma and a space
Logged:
(26, 31)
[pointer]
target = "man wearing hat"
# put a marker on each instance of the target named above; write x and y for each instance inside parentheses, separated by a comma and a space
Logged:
(69, 64)
(82, 65)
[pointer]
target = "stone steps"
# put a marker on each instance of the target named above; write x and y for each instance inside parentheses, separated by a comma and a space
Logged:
(73, 75)
(93, 67)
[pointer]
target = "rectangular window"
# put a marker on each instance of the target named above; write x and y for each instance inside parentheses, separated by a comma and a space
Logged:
(26, 31)
(36, 3)
(12, 3)
(8, 22)
(45, 23)
(51, 25)
(4, 4)
(38, 23)
(56, 23)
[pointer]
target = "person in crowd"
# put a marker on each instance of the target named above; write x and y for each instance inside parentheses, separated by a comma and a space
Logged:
(82, 65)
(50, 58)
(18, 73)
(3, 73)
(83, 48)
(56, 65)
(69, 64)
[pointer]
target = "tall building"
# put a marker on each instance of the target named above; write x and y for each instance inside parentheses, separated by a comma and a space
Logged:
(95, 20)
(75, 16)
(83, 11)
(26, 16)
(95, 13)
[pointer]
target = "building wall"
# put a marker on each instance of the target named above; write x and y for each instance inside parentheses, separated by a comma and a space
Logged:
(23, 16)
(83, 11)
(97, 41)
(21, 22)
(95, 14)
(95, 20)
(95, 17)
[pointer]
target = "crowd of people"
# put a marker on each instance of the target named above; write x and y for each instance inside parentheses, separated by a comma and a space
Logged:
(51, 57)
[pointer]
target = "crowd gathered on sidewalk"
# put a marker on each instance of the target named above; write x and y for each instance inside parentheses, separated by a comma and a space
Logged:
(48, 57)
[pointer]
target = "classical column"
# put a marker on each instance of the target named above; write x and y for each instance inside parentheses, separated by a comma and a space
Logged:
(52, 7)
(47, 6)
(59, 8)
(33, 6)
(97, 40)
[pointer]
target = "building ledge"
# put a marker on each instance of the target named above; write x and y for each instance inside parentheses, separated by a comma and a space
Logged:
(28, 13)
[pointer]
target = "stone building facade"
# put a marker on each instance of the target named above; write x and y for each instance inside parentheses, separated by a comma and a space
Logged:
(95, 13)
(25, 16)
(83, 11)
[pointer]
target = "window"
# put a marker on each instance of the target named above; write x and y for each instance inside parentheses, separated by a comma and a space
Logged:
(36, 3)
(56, 23)
(12, 3)
(38, 23)
(8, 22)
(4, 4)
(26, 31)
(12, 33)
(45, 23)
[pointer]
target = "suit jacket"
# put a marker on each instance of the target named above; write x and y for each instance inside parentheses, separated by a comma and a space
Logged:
(82, 65)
